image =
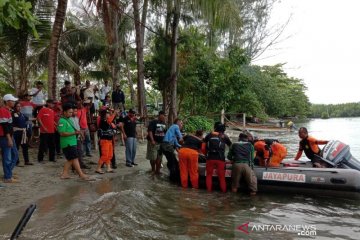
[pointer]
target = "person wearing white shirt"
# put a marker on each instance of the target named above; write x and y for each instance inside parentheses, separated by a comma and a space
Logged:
(105, 90)
(38, 97)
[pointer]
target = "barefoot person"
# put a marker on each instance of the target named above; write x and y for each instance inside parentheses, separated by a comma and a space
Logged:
(106, 134)
(68, 143)
(156, 133)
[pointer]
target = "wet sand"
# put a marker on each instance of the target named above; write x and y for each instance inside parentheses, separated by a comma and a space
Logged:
(43, 179)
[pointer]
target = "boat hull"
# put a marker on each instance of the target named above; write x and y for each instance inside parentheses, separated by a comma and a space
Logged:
(300, 179)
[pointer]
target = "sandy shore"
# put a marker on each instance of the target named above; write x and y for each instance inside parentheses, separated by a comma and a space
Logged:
(41, 180)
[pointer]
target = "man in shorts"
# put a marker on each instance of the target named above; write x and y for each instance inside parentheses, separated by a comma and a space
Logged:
(156, 133)
(68, 143)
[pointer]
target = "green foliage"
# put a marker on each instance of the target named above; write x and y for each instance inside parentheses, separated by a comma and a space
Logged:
(194, 123)
(324, 115)
(208, 83)
(5, 88)
(14, 12)
(335, 110)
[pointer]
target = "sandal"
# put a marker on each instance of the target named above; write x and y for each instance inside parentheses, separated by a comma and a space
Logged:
(99, 172)
(110, 171)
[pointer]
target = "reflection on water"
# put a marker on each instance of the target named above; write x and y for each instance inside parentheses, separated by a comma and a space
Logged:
(140, 206)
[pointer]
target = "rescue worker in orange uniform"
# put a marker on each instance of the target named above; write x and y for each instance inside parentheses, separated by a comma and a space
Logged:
(106, 134)
(188, 159)
(270, 152)
(310, 146)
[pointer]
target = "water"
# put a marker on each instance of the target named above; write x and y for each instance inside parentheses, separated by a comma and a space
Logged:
(140, 206)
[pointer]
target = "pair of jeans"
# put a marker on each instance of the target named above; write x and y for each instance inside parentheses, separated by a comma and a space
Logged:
(18, 135)
(130, 152)
(9, 157)
(87, 141)
(47, 143)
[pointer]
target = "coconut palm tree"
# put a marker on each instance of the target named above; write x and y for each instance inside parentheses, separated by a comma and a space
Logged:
(22, 52)
(54, 46)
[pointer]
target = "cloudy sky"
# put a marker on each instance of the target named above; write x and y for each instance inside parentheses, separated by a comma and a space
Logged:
(323, 47)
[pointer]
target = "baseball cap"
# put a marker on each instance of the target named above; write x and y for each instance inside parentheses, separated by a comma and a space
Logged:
(9, 97)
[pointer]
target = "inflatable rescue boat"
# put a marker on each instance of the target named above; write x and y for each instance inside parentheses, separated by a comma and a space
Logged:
(343, 173)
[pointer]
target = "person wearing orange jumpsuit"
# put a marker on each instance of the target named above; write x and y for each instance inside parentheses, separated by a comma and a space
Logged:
(188, 159)
(270, 155)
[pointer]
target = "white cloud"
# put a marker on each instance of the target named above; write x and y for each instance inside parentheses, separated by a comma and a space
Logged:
(324, 47)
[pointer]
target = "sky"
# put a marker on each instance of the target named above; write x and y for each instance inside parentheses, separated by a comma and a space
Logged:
(321, 45)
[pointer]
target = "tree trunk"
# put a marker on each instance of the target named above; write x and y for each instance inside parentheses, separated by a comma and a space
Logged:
(77, 77)
(173, 71)
(139, 38)
(131, 83)
(54, 45)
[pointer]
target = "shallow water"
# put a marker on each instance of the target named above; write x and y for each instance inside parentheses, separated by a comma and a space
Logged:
(140, 206)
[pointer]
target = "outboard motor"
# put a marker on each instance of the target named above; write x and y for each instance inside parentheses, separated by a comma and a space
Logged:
(338, 154)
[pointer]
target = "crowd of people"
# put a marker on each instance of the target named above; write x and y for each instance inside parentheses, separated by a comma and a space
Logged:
(62, 127)
(65, 128)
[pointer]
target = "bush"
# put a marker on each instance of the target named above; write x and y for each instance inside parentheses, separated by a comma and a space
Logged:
(194, 123)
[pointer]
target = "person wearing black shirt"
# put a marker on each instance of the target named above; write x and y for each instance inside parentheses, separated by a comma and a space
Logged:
(118, 98)
(128, 129)
(156, 133)
(215, 155)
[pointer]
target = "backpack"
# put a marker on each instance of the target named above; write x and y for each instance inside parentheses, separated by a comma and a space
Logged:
(216, 146)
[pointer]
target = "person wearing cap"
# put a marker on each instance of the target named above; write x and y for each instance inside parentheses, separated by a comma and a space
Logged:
(38, 97)
(118, 98)
(215, 155)
(156, 133)
(46, 119)
(128, 129)
(241, 154)
(7, 143)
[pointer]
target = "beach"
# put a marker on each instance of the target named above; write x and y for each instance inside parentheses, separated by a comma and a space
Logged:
(43, 179)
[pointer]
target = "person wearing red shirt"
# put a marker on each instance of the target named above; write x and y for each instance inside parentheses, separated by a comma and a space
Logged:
(46, 119)
(82, 114)
(7, 144)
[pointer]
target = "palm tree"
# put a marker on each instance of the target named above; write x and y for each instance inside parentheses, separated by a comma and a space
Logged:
(79, 45)
(54, 46)
(21, 52)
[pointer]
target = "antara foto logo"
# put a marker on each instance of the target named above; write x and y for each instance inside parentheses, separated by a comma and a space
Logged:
(244, 228)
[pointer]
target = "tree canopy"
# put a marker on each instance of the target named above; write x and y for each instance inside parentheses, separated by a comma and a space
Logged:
(197, 55)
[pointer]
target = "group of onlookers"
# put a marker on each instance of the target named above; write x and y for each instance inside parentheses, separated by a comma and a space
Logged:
(33, 116)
